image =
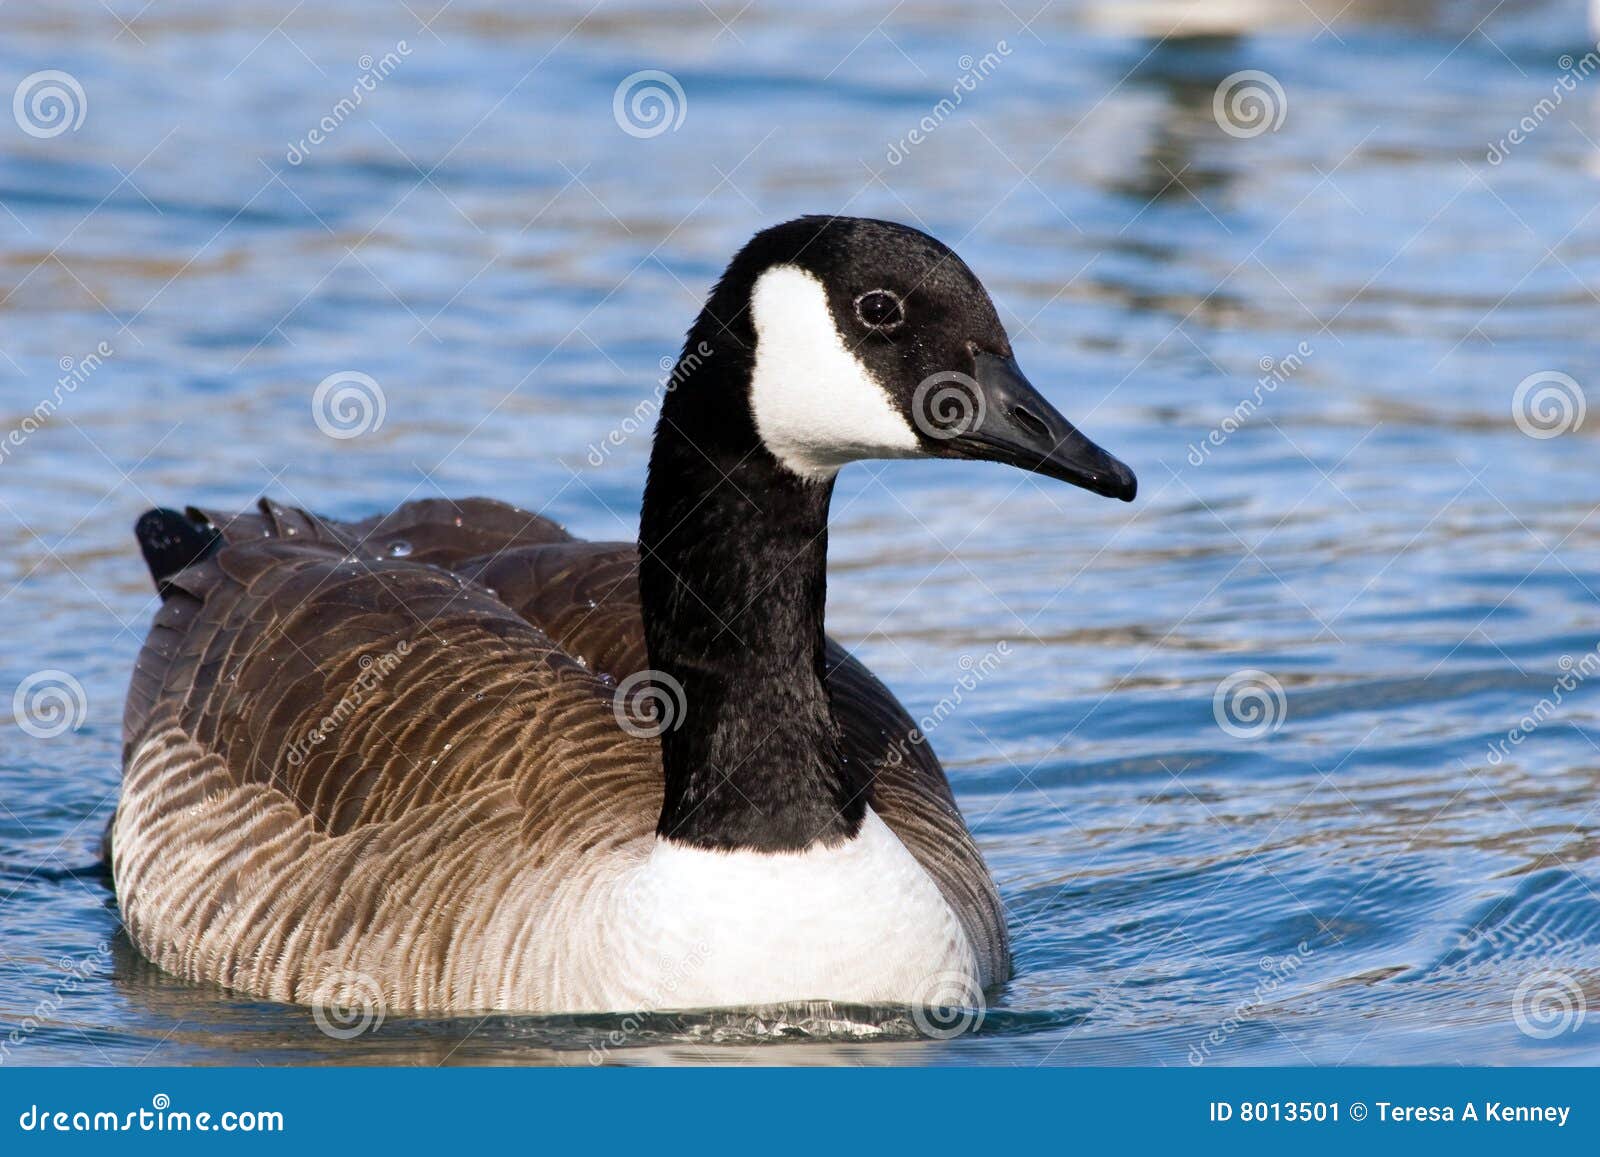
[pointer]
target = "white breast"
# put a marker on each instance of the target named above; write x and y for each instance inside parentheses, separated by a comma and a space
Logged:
(692, 928)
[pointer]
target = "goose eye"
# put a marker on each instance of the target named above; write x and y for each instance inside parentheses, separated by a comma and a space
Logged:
(880, 309)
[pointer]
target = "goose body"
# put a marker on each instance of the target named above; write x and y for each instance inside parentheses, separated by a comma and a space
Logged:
(408, 759)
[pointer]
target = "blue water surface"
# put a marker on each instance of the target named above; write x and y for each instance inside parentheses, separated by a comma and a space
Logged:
(1292, 761)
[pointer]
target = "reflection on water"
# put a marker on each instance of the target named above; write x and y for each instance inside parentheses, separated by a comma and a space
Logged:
(1377, 845)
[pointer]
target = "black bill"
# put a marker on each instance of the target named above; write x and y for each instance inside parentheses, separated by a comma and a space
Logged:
(1014, 424)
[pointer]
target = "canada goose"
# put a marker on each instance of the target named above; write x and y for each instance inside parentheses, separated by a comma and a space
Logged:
(394, 756)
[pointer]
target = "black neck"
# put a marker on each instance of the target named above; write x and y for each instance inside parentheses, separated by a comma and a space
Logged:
(733, 579)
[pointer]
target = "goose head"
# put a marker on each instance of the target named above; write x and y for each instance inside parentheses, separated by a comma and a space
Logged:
(866, 339)
(828, 340)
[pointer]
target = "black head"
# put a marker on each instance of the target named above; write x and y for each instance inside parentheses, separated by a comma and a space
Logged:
(867, 339)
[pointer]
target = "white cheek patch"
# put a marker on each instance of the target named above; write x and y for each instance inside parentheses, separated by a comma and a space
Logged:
(815, 405)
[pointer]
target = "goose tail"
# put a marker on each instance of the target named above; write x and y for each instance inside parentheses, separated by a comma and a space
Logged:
(171, 542)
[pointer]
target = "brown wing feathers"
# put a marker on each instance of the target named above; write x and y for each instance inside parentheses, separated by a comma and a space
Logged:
(369, 670)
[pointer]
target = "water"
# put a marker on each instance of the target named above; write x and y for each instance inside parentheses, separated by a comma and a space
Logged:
(1380, 876)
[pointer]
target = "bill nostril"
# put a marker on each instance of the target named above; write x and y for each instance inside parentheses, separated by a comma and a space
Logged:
(1029, 422)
